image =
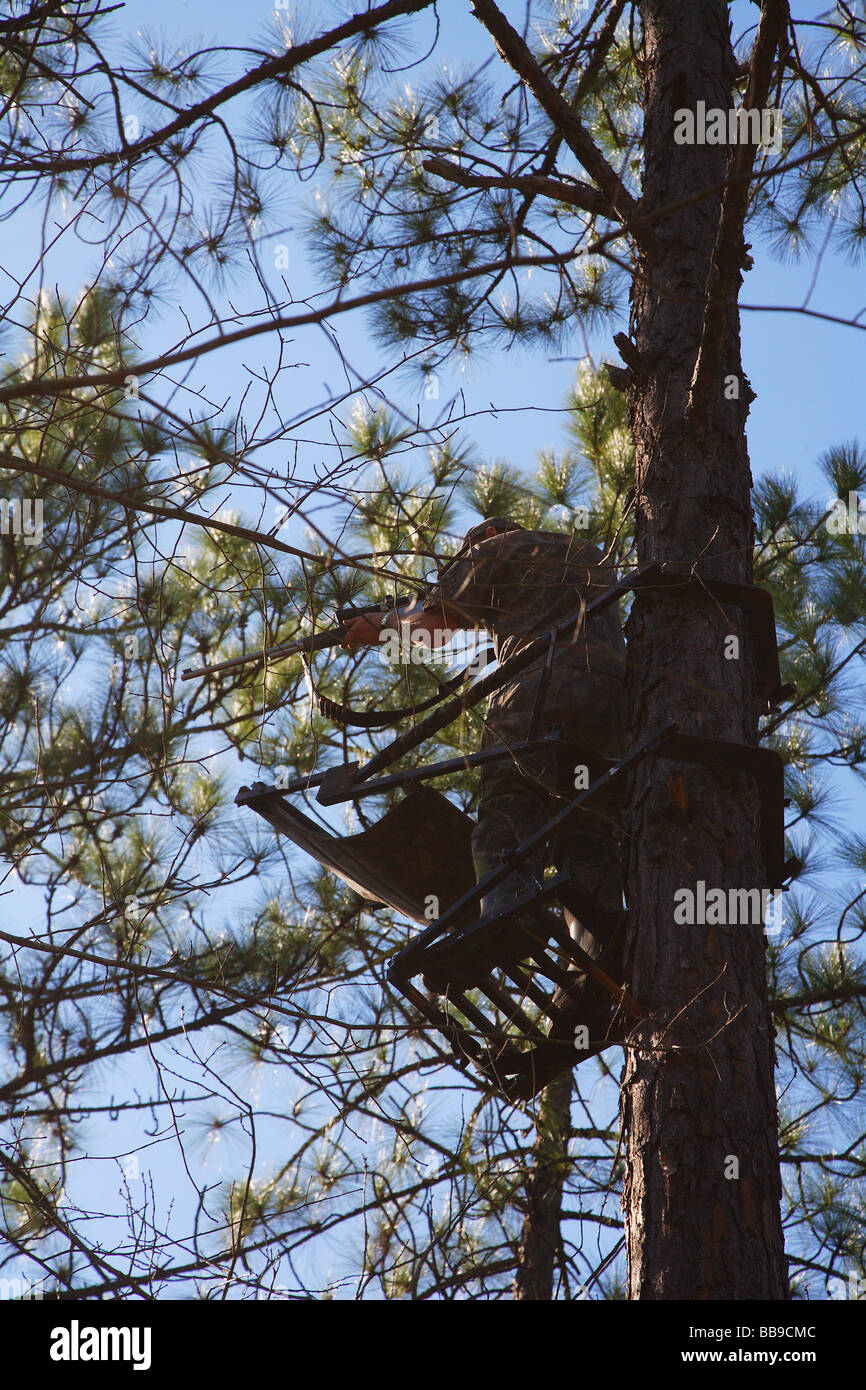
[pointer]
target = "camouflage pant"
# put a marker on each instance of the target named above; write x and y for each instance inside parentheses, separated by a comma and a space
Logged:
(519, 795)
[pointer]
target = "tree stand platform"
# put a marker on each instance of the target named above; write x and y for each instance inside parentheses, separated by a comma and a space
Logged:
(509, 991)
(513, 988)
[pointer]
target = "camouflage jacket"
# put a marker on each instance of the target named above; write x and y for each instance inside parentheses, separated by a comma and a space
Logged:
(517, 585)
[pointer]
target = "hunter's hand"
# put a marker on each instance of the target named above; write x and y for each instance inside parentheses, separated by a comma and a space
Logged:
(361, 632)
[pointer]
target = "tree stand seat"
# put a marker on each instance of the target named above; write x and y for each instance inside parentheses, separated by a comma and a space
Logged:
(419, 851)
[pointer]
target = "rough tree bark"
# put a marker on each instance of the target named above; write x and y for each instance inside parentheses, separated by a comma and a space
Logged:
(699, 1087)
(540, 1236)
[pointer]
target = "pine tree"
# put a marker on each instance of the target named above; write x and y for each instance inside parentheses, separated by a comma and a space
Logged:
(192, 974)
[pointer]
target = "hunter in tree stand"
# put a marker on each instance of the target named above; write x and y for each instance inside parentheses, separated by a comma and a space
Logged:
(517, 583)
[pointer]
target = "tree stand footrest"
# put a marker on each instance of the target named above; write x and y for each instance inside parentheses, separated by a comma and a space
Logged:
(512, 989)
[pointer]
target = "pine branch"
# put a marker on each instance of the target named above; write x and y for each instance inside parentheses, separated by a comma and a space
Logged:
(35, 16)
(600, 50)
(57, 385)
(620, 204)
(272, 69)
(578, 195)
(207, 523)
(116, 377)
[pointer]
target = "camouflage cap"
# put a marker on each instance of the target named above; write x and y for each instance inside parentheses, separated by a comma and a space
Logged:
(499, 523)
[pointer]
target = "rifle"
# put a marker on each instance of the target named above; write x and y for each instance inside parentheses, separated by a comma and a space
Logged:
(319, 642)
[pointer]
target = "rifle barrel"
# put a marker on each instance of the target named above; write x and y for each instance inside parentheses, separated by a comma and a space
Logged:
(317, 643)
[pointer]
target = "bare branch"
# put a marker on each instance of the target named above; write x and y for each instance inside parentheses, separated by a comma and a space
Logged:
(578, 195)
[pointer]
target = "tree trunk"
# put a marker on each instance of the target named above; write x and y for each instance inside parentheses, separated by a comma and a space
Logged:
(699, 1086)
(540, 1237)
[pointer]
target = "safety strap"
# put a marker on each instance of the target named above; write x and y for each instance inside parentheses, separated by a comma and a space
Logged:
(380, 719)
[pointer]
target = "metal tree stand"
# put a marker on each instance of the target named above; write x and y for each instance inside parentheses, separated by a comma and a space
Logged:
(502, 988)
